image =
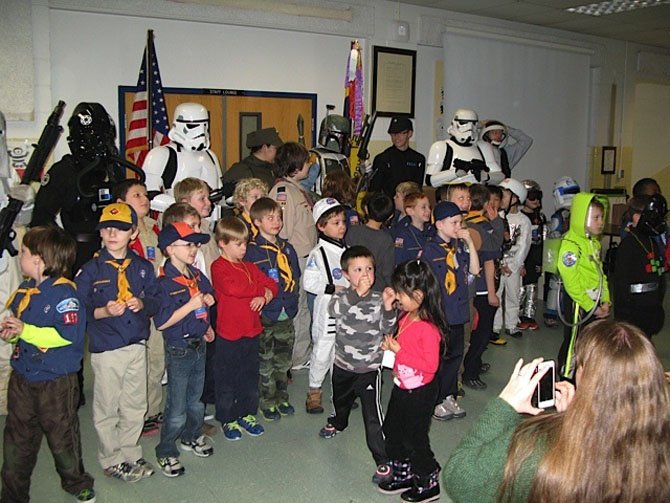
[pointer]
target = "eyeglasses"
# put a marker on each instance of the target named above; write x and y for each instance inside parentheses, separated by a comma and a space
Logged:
(189, 245)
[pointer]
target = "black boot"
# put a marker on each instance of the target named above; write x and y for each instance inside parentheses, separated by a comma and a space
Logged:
(402, 478)
(426, 488)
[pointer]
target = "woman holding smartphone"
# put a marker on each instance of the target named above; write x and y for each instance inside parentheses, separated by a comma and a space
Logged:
(608, 440)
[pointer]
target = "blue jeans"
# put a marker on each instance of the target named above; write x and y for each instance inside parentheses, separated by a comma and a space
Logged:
(184, 412)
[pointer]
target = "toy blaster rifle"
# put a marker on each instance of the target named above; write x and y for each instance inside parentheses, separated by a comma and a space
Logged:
(364, 171)
(48, 139)
(300, 124)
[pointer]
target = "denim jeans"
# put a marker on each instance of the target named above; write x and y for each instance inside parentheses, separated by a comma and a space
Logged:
(184, 412)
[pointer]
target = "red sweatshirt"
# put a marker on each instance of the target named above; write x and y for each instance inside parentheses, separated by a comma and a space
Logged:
(419, 357)
(235, 284)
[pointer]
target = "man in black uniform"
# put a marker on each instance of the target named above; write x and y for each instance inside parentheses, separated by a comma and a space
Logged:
(260, 162)
(398, 163)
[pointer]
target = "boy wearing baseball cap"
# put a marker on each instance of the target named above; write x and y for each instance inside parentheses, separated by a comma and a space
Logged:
(185, 298)
(323, 277)
(119, 291)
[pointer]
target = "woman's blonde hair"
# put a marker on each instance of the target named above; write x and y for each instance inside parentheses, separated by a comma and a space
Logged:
(612, 444)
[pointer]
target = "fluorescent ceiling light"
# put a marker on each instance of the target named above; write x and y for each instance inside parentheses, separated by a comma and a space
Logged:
(614, 6)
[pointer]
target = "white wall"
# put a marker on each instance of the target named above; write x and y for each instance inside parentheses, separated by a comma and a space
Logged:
(84, 49)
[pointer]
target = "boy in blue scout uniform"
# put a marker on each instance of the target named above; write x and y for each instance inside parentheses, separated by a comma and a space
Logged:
(119, 291)
(278, 260)
(47, 327)
(448, 255)
(185, 297)
(412, 232)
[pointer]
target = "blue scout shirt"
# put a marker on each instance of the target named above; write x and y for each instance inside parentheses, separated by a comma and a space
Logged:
(264, 254)
(410, 241)
(455, 305)
(56, 305)
(97, 285)
(175, 291)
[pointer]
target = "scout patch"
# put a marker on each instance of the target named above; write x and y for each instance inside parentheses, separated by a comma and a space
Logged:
(68, 305)
(399, 242)
(569, 259)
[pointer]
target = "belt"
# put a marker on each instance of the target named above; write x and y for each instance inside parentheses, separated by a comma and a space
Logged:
(643, 287)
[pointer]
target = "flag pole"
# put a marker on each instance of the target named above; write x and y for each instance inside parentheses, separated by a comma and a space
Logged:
(148, 75)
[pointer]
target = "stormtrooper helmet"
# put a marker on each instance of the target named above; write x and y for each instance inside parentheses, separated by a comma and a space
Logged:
(464, 126)
(190, 127)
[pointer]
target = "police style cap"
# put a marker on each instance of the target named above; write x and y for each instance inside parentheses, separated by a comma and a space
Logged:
(446, 209)
(267, 136)
(323, 205)
(180, 230)
(118, 215)
(400, 124)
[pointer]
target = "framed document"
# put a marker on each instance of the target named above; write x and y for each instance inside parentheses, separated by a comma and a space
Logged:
(393, 81)
(608, 163)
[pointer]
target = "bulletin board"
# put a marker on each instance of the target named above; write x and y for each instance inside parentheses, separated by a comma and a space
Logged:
(234, 113)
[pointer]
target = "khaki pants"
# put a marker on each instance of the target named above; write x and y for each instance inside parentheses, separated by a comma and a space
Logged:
(119, 403)
(155, 371)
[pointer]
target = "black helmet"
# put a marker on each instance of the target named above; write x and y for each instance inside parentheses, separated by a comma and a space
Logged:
(92, 133)
(652, 219)
(334, 133)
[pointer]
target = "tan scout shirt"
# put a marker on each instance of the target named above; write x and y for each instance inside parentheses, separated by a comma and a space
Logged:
(299, 228)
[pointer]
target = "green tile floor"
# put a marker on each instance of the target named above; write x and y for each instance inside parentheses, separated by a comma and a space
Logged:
(290, 463)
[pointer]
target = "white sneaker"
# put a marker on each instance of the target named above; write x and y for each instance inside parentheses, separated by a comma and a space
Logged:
(450, 404)
(441, 413)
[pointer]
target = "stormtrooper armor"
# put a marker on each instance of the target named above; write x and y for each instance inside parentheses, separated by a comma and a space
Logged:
(187, 155)
(458, 159)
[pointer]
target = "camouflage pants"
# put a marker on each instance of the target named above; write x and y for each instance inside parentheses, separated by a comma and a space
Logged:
(276, 350)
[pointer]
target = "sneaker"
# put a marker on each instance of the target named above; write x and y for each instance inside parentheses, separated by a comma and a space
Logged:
(86, 495)
(171, 467)
(498, 341)
(125, 471)
(146, 467)
(209, 417)
(382, 474)
(532, 325)
(477, 384)
(451, 405)
(485, 368)
(523, 325)
(271, 414)
(199, 447)
(286, 409)
(232, 431)
(251, 426)
(515, 333)
(150, 428)
(328, 431)
(441, 413)
(550, 322)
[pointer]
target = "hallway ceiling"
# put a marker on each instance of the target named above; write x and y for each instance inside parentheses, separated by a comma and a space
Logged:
(649, 26)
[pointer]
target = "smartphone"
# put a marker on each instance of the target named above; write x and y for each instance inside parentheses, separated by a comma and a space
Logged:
(545, 393)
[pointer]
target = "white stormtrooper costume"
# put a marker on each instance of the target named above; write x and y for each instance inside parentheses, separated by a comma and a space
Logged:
(187, 155)
(10, 271)
(458, 159)
(501, 156)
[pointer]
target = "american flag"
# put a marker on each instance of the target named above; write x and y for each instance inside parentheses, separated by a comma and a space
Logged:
(137, 143)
